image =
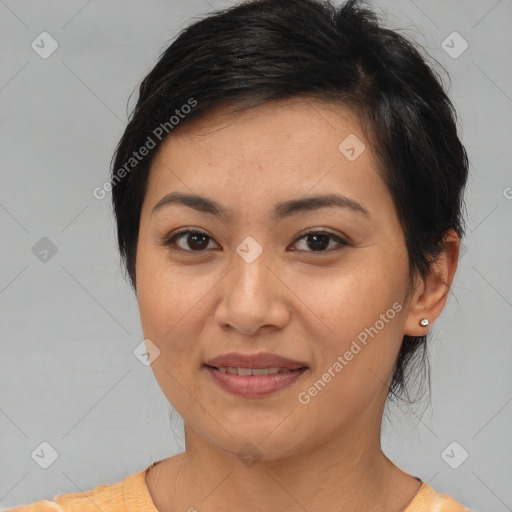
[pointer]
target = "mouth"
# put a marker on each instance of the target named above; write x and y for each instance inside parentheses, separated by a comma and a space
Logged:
(272, 370)
(254, 382)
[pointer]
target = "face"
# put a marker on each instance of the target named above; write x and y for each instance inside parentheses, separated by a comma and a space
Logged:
(319, 284)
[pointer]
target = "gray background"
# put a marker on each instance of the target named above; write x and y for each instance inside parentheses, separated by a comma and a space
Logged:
(70, 324)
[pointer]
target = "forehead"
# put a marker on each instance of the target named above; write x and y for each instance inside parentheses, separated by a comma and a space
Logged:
(279, 149)
(279, 123)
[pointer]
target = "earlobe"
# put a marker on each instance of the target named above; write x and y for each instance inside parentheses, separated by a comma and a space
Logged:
(430, 298)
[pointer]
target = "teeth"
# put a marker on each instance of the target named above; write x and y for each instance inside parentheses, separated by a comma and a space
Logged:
(259, 371)
(253, 371)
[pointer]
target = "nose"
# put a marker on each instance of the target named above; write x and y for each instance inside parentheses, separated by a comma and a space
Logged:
(253, 297)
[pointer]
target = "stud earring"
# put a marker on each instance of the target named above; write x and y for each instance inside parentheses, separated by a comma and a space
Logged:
(424, 322)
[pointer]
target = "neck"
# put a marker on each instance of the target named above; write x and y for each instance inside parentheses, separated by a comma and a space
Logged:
(347, 472)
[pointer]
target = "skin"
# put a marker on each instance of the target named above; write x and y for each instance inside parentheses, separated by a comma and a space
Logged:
(304, 304)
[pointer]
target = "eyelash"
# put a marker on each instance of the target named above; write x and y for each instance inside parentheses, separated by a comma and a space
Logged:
(171, 241)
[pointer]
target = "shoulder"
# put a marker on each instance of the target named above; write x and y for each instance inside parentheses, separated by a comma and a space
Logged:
(91, 500)
(428, 500)
(130, 492)
(38, 506)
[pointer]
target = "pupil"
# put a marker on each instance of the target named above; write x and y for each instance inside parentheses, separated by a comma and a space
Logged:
(195, 237)
(319, 245)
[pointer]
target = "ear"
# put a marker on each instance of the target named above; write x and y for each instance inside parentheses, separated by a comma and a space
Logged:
(431, 293)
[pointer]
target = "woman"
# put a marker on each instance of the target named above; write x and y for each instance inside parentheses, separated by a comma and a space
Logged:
(288, 196)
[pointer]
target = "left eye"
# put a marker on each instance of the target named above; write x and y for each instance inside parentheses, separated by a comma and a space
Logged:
(318, 241)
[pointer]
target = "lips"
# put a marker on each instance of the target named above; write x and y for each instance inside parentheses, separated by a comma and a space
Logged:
(254, 376)
(254, 362)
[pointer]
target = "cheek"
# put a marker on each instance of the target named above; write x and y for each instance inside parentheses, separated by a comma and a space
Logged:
(170, 313)
(358, 316)
(166, 294)
(160, 302)
(347, 299)
(356, 355)
(174, 304)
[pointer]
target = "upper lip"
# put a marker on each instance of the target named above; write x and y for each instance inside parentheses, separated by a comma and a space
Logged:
(261, 360)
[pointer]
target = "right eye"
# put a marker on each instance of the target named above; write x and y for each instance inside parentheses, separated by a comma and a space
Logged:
(197, 241)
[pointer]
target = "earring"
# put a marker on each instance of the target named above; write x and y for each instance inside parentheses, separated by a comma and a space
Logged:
(424, 322)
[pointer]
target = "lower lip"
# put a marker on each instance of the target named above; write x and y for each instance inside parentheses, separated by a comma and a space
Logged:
(254, 386)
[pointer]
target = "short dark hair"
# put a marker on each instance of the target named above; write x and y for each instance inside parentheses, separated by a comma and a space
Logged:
(265, 50)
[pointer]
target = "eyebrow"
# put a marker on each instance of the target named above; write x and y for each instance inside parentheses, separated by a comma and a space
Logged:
(281, 210)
